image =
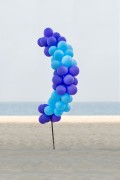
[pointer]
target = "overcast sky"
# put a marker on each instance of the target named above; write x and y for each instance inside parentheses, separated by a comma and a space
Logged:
(90, 26)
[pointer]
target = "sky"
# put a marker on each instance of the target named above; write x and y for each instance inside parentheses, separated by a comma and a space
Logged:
(91, 27)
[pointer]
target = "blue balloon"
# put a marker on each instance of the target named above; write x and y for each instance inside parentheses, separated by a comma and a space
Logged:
(67, 61)
(57, 112)
(67, 108)
(69, 47)
(55, 96)
(52, 49)
(52, 102)
(48, 110)
(74, 62)
(66, 98)
(55, 64)
(58, 54)
(69, 52)
(60, 105)
(62, 45)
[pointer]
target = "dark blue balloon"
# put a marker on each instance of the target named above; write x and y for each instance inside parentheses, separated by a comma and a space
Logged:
(44, 119)
(46, 51)
(51, 41)
(43, 41)
(61, 39)
(39, 42)
(48, 32)
(56, 35)
(42, 107)
(55, 118)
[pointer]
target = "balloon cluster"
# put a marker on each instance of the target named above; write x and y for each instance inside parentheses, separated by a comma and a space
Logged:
(64, 76)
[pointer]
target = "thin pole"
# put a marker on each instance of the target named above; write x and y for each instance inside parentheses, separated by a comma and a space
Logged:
(53, 135)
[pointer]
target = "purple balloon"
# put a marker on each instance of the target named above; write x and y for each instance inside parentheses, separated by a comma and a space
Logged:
(61, 39)
(44, 119)
(55, 118)
(61, 89)
(68, 79)
(75, 81)
(55, 73)
(62, 70)
(72, 89)
(74, 70)
(43, 41)
(51, 41)
(46, 51)
(42, 107)
(57, 79)
(56, 35)
(39, 42)
(54, 86)
(48, 32)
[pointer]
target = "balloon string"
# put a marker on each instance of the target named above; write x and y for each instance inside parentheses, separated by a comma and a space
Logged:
(53, 135)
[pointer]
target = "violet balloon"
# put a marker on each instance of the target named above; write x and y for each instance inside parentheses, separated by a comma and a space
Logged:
(68, 79)
(74, 70)
(72, 89)
(57, 79)
(61, 89)
(62, 70)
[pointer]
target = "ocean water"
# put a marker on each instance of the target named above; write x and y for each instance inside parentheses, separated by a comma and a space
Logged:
(31, 108)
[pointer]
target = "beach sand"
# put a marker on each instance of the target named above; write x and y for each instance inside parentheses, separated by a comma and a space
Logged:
(87, 148)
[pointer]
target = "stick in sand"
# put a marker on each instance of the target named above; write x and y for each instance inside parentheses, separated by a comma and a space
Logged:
(52, 135)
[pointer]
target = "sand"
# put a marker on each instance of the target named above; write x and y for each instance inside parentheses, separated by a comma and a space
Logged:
(87, 148)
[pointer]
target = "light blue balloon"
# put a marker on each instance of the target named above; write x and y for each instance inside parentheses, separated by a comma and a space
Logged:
(60, 105)
(66, 98)
(74, 62)
(55, 96)
(57, 112)
(48, 110)
(62, 45)
(52, 102)
(70, 47)
(67, 61)
(52, 49)
(52, 59)
(58, 55)
(67, 108)
(69, 52)
(55, 64)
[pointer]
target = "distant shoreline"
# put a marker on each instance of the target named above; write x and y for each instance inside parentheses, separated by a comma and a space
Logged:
(65, 119)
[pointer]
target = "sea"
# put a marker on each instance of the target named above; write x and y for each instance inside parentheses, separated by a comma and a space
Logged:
(78, 109)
